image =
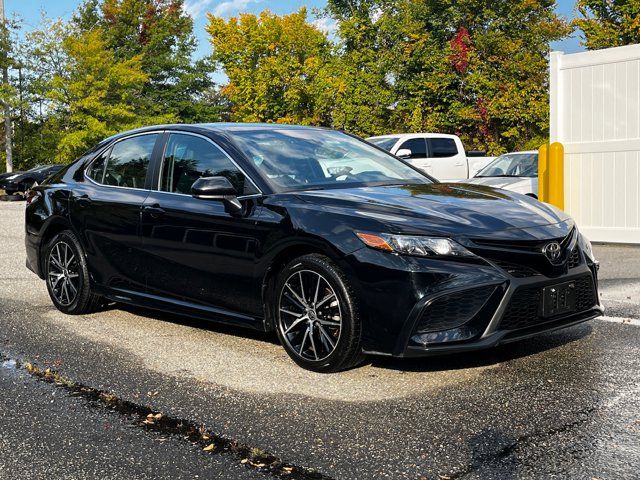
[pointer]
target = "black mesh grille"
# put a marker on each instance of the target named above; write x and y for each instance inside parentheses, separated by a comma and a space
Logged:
(453, 310)
(574, 259)
(585, 294)
(525, 307)
(516, 270)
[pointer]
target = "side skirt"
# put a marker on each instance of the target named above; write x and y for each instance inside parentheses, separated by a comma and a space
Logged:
(180, 307)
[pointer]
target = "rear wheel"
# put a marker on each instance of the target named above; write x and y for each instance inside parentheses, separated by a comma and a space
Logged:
(67, 275)
(317, 316)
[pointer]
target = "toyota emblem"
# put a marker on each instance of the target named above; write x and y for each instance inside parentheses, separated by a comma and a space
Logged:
(552, 251)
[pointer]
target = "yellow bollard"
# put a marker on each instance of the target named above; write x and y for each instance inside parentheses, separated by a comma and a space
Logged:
(543, 171)
(555, 176)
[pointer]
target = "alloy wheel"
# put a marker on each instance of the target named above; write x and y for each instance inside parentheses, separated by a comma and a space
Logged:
(63, 273)
(310, 316)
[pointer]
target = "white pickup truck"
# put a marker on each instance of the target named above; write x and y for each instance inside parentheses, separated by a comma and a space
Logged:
(441, 156)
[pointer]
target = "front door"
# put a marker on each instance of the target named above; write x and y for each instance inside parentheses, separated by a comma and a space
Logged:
(419, 157)
(105, 210)
(195, 252)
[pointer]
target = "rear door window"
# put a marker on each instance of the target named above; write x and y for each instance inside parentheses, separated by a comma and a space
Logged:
(442, 147)
(127, 163)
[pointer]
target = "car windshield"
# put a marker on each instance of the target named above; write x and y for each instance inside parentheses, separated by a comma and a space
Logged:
(512, 165)
(302, 159)
(385, 143)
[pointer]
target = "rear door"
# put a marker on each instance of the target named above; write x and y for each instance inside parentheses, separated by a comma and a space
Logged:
(448, 161)
(105, 210)
(196, 254)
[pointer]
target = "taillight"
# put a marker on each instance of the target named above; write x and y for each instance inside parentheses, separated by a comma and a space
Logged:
(32, 195)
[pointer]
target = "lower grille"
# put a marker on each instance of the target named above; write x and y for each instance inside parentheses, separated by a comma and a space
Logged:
(516, 270)
(525, 307)
(453, 310)
(574, 259)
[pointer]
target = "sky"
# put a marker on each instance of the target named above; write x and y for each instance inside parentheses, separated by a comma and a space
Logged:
(30, 11)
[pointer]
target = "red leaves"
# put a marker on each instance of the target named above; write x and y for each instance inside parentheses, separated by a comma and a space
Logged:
(460, 46)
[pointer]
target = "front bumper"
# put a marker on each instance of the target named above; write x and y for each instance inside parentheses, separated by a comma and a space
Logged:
(423, 306)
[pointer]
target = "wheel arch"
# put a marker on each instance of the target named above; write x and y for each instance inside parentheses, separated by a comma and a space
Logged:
(278, 261)
(54, 226)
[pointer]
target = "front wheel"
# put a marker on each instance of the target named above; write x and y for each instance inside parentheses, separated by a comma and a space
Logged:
(67, 275)
(317, 316)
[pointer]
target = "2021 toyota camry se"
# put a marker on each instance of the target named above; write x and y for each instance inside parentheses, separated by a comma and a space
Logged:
(338, 246)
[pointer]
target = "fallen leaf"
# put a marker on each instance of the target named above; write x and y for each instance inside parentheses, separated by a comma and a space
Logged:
(209, 448)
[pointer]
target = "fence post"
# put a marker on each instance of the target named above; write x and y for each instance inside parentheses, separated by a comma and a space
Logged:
(556, 102)
(555, 175)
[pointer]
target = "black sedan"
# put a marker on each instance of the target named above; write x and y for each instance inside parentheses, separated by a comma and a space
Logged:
(22, 181)
(338, 246)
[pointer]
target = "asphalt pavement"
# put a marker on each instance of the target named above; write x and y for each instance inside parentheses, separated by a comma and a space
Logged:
(563, 405)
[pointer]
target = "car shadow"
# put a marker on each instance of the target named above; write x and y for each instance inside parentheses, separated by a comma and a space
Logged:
(487, 357)
(209, 325)
(436, 363)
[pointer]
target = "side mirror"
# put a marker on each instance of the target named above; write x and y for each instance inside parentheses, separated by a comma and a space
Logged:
(220, 189)
(403, 153)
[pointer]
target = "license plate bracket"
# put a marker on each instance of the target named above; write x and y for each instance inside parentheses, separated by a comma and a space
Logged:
(558, 299)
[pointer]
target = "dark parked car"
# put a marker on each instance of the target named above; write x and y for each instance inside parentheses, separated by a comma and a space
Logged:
(23, 181)
(338, 246)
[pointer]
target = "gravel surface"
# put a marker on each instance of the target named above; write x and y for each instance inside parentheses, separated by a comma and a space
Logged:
(562, 405)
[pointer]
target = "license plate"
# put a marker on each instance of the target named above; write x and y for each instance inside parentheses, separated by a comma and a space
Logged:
(558, 299)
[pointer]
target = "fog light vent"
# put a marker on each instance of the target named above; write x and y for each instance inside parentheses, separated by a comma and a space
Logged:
(453, 310)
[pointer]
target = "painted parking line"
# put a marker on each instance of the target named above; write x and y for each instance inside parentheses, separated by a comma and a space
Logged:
(626, 321)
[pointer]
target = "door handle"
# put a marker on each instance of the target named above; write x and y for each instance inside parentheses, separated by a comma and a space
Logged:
(83, 201)
(154, 211)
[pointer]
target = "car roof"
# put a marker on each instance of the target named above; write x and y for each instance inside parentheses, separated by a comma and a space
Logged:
(219, 127)
(408, 135)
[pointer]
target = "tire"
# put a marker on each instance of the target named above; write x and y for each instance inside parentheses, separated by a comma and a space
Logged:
(67, 275)
(11, 197)
(317, 318)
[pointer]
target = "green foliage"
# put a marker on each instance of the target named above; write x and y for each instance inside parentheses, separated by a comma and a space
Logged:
(274, 65)
(468, 67)
(101, 92)
(161, 34)
(116, 65)
(608, 23)
(471, 67)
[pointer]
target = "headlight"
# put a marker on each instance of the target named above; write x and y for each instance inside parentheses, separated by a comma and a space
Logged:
(414, 245)
(585, 245)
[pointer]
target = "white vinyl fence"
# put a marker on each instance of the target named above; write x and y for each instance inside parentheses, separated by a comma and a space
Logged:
(595, 114)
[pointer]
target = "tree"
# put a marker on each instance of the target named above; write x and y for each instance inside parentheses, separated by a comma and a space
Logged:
(161, 34)
(469, 67)
(608, 23)
(362, 86)
(101, 92)
(41, 119)
(275, 65)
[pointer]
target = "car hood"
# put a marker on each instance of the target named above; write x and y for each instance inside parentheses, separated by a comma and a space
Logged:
(456, 210)
(5, 176)
(498, 182)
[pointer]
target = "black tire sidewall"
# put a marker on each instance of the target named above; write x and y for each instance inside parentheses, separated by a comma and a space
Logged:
(349, 341)
(82, 300)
